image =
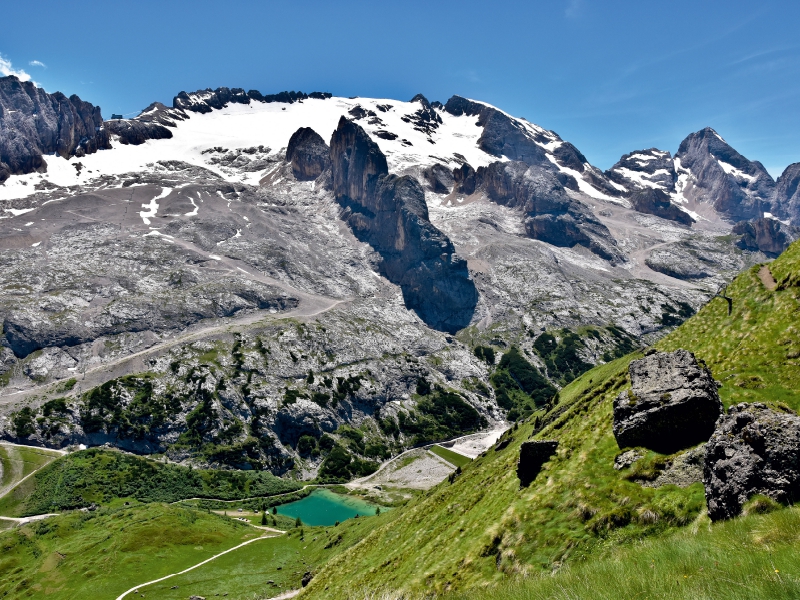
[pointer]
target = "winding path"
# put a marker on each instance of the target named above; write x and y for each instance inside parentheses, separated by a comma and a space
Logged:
(192, 568)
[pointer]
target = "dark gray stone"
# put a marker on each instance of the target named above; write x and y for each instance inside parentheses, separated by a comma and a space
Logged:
(754, 450)
(673, 403)
(390, 214)
(307, 577)
(131, 131)
(532, 456)
(308, 153)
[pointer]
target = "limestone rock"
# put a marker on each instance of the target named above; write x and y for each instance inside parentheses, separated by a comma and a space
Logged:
(34, 123)
(308, 153)
(786, 201)
(532, 456)
(736, 187)
(673, 403)
(644, 170)
(390, 214)
(767, 235)
(131, 131)
(754, 450)
(657, 202)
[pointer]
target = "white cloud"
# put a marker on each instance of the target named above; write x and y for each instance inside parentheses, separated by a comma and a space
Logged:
(37, 63)
(6, 69)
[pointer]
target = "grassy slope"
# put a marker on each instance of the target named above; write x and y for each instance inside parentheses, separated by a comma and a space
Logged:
(482, 528)
(454, 458)
(101, 554)
(100, 476)
(17, 462)
(747, 558)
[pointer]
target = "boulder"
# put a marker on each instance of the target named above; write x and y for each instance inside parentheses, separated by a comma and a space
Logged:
(754, 450)
(308, 153)
(532, 456)
(673, 403)
(307, 577)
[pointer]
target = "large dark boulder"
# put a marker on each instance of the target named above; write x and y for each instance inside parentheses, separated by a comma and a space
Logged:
(754, 450)
(389, 213)
(308, 153)
(532, 456)
(656, 202)
(673, 403)
(34, 123)
(767, 235)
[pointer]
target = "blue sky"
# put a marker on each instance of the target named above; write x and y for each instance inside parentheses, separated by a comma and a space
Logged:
(610, 76)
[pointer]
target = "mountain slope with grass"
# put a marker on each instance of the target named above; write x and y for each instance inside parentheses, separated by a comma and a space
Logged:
(481, 528)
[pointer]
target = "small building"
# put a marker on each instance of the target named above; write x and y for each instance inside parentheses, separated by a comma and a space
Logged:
(114, 117)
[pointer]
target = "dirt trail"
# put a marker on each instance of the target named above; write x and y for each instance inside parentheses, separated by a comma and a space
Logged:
(765, 275)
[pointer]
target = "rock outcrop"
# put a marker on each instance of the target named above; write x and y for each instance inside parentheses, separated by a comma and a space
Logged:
(645, 169)
(550, 214)
(736, 187)
(134, 132)
(34, 123)
(770, 236)
(204, 101)
(439, 179)
(656, 202)
(786, 201)
(390, 214)
(754, 450)
(308, 154)
(532, 456)
(673, 403)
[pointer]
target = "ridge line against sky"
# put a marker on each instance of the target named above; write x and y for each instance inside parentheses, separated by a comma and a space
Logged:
(610, 77)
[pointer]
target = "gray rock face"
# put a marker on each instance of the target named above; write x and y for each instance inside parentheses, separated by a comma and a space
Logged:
(656, 202)
(204, 101)
(532, 456)
(766, 235)
(439, 179)
(786, 201)
(673, 403)
(645, 169)
(308, 154)
(736, 187)
(550, 214)
(754, 450)
(390, 214)
(426, 119)
(131, 131)
(33, 123)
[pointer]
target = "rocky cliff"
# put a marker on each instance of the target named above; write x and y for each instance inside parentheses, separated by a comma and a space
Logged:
(736, 187)
(34, 123)
(786, 201)
(308, 154)
(390, 214)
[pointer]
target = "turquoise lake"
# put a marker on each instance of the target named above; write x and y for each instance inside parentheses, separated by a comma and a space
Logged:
(323, 507)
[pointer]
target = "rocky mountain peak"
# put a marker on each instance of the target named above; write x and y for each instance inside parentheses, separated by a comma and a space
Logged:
(308, 154)
(640, 169)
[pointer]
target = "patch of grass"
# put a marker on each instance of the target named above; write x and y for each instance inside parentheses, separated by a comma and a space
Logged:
(103, 553)
(18, 462)
(744, 559)
(454, 458)
(101, 476)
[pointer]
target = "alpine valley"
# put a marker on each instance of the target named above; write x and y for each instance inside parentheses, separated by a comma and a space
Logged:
(544, 373)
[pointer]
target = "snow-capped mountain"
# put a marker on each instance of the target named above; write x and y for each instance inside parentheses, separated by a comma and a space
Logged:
(361, 238)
